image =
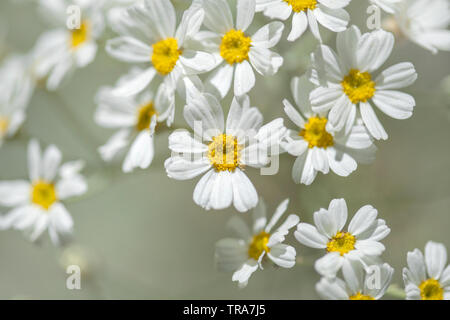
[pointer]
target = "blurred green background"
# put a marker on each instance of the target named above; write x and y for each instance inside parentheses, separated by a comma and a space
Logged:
(140, 236)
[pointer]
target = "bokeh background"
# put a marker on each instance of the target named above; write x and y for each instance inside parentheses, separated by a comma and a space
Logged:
(140, 236)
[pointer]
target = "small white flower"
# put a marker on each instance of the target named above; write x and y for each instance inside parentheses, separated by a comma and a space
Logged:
(235, 51)
(257, 247)
(317, 146)
(425, 22)
(358, 284)
(60, 51)
(359, 242)
(427, 278)
(36, 204)
(347, 80)
(222, 152)
(16, 89)
(329, 13)
(148, 36)
(387, 5)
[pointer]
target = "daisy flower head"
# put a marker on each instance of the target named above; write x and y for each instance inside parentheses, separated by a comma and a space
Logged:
(360, 241)
(328, 13)
(236, 52)
(258, 247)
(36, 204)
(389, 6)
(222, 150)
(347, 79)
(359, 283)
(317, 146)
(135, 118)
(425, 22)
(427, 278)
(72, 44)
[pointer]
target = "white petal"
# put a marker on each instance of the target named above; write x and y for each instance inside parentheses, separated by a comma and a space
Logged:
(281, 209)
(340, 162)
(244, 78)
(51, 161)
(222, 191)
(308, 235)
(323, 98)
(371, 121)
(181, 141)
(299, 26)
(195, 62)
(329, 264)
(303, 170)
(129, 49)
(362, 220)
(34, 160)
(117, 142)
(164, 17)
(230, 254)
(221, 79)
(71, 187)
(14, 193)
(416, 266)
(395, 104)
(264, 61)
(218, 16)
(245, 196)
(245, 14)
(180, 168)
(135, 85)
(205, 113)
(141, 152)
(397, 76)
(245, 271)
(435, 258)
(268, 36)
(282, 255)
(333, 19)
(332, 289)
(278, 10)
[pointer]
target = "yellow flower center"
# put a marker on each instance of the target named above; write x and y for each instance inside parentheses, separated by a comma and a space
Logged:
(165, 55)
(431, 290)
(44, 194)
(302, 5)
(81, 35)
(4, 124)
(316, 134)
(259, 245)
(235, 46)
(342, 242)
(224, 152)
(144, 116)
(360, 296)
(358, 86)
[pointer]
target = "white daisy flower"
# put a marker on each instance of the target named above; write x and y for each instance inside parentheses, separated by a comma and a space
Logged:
(347, 80)
(222, 151)
(37, 204)
(359, 242)
(317, 146)
(135, 118)
(358, 284)
(148, 36)
(237, 52)
(59, 52)
(427, 278)
(387, 5)
(257, 247)
(425, 22)
(16, 89)
(328, 13)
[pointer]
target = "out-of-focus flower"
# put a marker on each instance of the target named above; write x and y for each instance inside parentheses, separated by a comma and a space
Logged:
(235, 51)
(317, 146)
(427, 278)
(360, 242)
(347, 79)
(358, 284)
(387, 5)
(16, 89)
(135, 118)
(225, 152)
(60, 51)
(149, 36)
(329, 14)
(37, 204)
(425, 22)
(258, 246)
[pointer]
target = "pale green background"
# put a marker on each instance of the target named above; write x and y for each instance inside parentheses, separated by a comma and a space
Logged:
(142, 235)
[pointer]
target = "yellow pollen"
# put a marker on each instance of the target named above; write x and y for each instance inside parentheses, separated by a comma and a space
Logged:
(358, 86)
(235, 46)
(4, 124)
(360, 296)
(316, 134)
(224, 152)
(144, 116)
(44, 194)
(81, 35)
(302, 5)
(342, 242)
(259, 245)
(165, 55)
(431, 289)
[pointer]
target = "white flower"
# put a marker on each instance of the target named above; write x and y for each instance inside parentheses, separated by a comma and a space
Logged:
(328, 13)
(359, 242)
(16, 89)
(222, 152)
(235, 51)
(317, 146)
(427, 278)
(257, 247)
(149, 37)
(347, 79)
(387, 5)
(358, 283)
(60, 51)
(425, 22)
(37, 204)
